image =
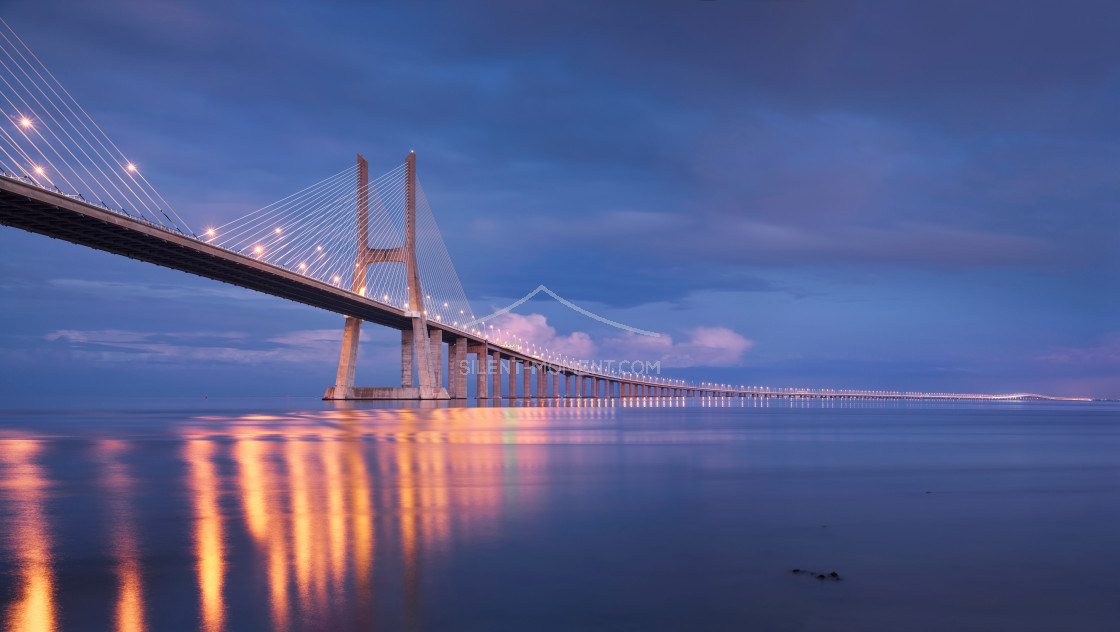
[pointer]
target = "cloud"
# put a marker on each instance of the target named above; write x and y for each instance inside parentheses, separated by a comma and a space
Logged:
(742, 240)
(128, 289)
(535, 329)
(119, 345)
(705, 346)
(1105, 353)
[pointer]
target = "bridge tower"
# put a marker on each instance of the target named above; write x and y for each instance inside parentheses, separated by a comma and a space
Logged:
(420, 354)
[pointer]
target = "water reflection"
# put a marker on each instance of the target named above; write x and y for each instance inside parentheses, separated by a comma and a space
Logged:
(334, 519)
(120, 486)
(595, 515)
(317, 520)
(28, 537)
(209, 546)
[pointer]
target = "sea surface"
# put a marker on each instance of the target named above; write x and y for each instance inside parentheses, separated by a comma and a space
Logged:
(288, 514)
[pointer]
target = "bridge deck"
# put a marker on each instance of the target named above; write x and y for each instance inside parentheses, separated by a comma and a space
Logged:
(33, 209)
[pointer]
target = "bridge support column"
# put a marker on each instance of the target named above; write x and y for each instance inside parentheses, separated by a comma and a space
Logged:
(496, 378)
(435, 345)
(527, 380)
(348, 359)
(461, 368)
(512, 378)
(451, 370)
(407, 368)
(556, 384)
(481, 367)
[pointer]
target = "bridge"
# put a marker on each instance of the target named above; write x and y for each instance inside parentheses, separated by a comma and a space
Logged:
(498, 364)
(369, 250)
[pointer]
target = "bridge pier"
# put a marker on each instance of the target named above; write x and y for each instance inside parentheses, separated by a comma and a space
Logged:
(435, 356)
(451, 370)
(420, 357)
(481, 357)
(496, 377)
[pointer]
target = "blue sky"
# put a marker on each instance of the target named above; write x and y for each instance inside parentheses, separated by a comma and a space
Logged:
(855, 195)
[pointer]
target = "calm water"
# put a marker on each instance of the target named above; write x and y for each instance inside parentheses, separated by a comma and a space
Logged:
(277, 515)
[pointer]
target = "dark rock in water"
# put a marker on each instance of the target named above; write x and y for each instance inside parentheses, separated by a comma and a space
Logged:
(928, 492)
(834, 575)
(820, 576)
(797, 570)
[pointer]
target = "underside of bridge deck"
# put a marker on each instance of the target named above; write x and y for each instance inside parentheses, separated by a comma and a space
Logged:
(62, 217)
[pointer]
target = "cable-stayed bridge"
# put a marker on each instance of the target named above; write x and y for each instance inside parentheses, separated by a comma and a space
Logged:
(368, 249)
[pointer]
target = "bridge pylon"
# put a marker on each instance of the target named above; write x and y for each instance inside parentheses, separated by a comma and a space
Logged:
(420, 352)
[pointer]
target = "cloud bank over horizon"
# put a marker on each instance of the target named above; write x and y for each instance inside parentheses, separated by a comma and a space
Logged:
(704, 347)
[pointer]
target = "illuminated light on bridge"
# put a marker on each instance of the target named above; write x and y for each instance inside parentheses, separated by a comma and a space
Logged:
(25, 122)
(131, 167)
